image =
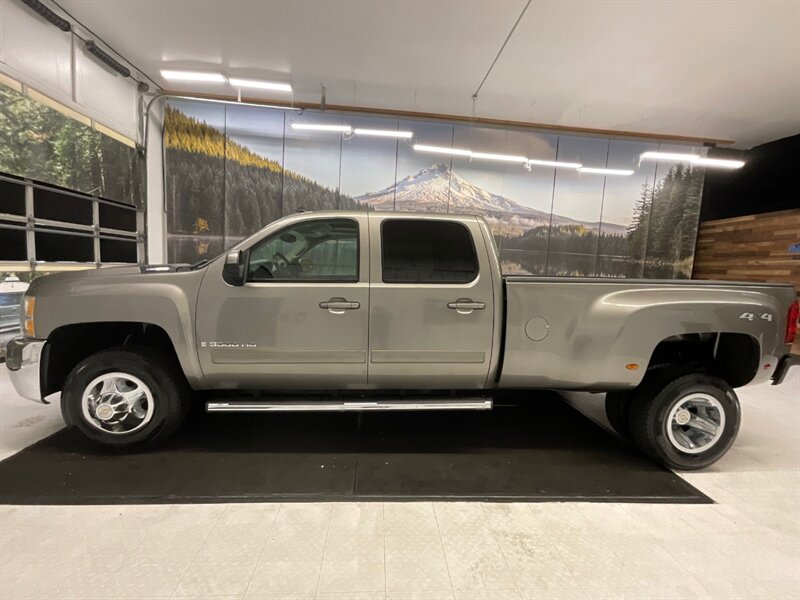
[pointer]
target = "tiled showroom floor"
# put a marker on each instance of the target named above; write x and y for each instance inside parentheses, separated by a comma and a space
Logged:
(747, 545)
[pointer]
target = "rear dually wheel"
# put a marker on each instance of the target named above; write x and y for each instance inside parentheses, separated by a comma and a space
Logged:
(686, 423)
(616, 405)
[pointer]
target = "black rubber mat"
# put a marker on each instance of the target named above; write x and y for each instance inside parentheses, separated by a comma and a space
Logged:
(541, 450)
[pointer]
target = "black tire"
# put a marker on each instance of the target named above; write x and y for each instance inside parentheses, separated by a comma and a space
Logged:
(650, 407)
(617, 413)
(156, 369)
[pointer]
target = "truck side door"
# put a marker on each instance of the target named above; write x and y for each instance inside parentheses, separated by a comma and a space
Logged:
(300, 319)
(431, 303)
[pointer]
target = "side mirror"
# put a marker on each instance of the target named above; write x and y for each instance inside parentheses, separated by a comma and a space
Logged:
(234, 270)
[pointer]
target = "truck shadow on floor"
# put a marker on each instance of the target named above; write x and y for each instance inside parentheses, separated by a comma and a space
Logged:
(539, 449)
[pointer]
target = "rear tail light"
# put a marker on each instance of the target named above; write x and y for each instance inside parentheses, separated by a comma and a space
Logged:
(791, 322)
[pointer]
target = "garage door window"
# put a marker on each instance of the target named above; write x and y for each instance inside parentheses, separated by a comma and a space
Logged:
(42, 225)
(422, 251)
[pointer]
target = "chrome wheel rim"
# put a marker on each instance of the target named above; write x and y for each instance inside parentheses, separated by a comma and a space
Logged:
(696, 423)
(117, 403)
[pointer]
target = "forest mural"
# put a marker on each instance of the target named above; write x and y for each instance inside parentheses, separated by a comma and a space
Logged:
(231, 170)
(206, 170)
(43, 144)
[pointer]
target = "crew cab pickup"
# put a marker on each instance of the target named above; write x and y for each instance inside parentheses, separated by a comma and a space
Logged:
(375, 310)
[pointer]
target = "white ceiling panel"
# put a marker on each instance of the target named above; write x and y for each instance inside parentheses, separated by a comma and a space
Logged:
(723, 69)
(35, 48)
(111, 99)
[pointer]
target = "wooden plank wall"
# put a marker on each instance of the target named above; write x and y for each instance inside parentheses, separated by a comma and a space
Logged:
(751, 248)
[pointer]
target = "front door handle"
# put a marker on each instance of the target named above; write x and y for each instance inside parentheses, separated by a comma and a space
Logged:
(465, 306)
(337, 306)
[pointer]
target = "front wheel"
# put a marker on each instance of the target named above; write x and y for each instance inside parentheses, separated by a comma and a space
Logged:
(686, 423)
(126, 398)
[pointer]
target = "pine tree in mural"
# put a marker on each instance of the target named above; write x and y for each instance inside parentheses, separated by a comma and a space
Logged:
(662, 234)
(637, 230)
(691, 218)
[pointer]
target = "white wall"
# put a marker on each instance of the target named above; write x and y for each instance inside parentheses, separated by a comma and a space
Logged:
(55, 63)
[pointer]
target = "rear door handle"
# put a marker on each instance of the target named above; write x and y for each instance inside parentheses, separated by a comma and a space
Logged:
(465, 306)
(337, 306)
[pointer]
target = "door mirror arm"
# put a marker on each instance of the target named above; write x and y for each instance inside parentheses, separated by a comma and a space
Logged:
(234, 272)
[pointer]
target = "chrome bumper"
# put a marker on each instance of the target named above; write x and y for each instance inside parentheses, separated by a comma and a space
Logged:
(22, 362)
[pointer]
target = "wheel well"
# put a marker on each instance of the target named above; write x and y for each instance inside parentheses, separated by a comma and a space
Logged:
(732, 356)
(70, 344)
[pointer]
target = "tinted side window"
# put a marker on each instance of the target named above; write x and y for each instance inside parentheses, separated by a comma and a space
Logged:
(320, 250)
(420, 251)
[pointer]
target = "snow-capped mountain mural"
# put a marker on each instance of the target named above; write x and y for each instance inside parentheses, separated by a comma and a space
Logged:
(438, 189)
(230, 170)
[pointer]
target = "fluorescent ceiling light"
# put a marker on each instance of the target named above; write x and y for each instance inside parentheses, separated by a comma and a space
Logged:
(600, 171)
(719, 162)
(261, 85)
(513, 158)
(442, 150)
(315, 127)
(384, 133)
(192, 76)
(668, 156)
(553, 163)
(693, 159)
(469, 153)
(502, 157)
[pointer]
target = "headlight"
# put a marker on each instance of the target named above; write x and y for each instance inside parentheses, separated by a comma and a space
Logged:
(28, 308)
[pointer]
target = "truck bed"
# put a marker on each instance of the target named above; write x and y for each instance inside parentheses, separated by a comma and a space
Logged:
(600, 334)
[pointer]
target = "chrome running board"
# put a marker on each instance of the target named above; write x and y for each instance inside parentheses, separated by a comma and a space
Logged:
(348, 405)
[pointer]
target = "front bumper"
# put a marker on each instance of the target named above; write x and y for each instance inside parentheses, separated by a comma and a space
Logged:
(22, 362)
(786, 361)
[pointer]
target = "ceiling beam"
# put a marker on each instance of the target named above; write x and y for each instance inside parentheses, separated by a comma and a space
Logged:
(409, 114)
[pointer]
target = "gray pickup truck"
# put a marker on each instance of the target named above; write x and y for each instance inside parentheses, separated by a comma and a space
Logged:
(394, 311)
